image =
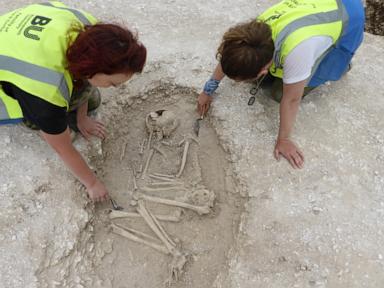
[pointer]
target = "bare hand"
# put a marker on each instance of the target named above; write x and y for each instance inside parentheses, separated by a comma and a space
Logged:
(97, 191)
(290, 152)
(203, 103)
(90, 127)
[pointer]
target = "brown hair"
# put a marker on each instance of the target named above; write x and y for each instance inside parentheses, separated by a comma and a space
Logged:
(245, 49)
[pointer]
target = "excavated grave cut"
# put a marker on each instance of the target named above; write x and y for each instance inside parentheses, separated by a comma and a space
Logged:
(206, 238)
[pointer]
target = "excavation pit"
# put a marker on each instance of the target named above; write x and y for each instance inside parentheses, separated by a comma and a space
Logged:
(207, 238)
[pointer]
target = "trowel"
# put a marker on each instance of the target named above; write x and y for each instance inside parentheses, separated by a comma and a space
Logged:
(196, 125)
(115, 206)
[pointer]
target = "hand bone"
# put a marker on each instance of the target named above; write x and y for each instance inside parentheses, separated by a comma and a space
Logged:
(177, 267)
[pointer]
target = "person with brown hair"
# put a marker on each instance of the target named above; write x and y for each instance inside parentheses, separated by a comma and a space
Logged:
(52, 58)
(297, 45)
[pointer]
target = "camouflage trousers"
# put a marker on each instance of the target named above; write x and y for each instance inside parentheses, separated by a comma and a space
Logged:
(274, 86)
(78, 98)
(276, 90)
(88, 93)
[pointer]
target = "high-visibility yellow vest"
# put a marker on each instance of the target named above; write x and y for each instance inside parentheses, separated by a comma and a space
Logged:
(34, 40)
(293, 21)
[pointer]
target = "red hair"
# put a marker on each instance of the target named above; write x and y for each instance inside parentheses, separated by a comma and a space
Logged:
(105, 48)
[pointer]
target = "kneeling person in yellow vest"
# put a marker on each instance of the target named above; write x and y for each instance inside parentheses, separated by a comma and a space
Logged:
(52, 58)
(300, 44)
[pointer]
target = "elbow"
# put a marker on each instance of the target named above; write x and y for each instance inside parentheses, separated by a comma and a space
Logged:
(295, 100)
(60, 144)
(292, 100)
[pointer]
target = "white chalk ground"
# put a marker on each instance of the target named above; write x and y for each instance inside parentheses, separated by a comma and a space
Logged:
(316, 227)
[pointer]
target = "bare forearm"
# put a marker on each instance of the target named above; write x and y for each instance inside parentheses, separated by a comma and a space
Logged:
(288, 112)
(218, 73)
(78, 166)
(289, 106)
(82, 110)
(71, 157)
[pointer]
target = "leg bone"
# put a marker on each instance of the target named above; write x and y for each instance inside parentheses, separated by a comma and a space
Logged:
(155, 226)
(166, 184)
(161, 189)
(201, 210)
(129, 235)
(115, 214)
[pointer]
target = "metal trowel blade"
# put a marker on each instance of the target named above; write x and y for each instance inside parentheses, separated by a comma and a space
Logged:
(115, 206)
(196, 125)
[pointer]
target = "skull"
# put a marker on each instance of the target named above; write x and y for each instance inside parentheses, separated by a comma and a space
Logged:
(161, 123)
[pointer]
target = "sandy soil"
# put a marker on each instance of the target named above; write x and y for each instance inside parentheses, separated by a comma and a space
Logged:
(317, 227)
(206, 239)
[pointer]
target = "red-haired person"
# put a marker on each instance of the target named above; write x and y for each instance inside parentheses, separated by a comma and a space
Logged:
(298, 45)
(52, 58)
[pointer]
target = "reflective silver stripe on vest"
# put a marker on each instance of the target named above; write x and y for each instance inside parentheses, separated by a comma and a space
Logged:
(344, 16)
(309, 20)
(37, 73)
(77, 13)
(3, 111)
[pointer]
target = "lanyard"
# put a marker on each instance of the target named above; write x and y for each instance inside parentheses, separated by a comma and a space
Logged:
(254, 90)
